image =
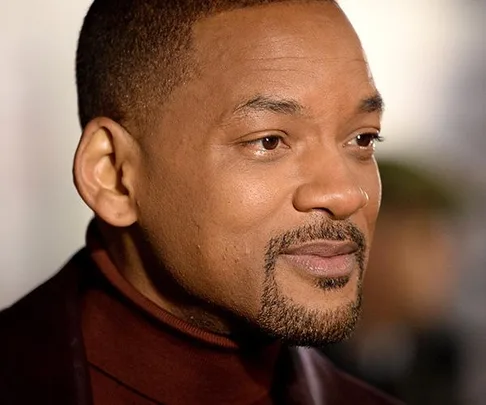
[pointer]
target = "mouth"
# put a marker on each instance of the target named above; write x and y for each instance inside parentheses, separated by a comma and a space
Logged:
(323, 259)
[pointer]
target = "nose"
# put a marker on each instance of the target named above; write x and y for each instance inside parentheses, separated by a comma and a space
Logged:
(331, 186)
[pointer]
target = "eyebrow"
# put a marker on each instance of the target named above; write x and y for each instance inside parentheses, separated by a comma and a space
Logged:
(263, 103)
(270, 104)
(372, 104)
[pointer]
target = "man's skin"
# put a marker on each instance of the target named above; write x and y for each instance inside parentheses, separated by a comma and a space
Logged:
(268, 143)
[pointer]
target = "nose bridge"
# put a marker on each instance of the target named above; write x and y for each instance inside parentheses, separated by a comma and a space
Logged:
(330, 184)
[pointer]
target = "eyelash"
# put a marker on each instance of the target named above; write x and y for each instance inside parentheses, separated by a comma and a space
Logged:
(261, 140)
(375, 138)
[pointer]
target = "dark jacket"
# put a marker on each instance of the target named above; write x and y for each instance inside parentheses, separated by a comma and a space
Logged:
(43, 361)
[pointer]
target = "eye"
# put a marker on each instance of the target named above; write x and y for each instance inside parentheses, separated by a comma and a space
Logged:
(367, 140)
(266, 144)
(270, 142)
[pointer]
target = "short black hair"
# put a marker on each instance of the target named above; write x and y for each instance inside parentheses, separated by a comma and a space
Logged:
(132, 53)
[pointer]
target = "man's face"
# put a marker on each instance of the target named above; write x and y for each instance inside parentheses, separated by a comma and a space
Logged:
(259, 190)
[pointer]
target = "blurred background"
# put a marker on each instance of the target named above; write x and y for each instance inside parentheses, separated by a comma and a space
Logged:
(429, 261)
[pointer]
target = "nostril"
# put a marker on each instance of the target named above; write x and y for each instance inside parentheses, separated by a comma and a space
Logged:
(328, 211)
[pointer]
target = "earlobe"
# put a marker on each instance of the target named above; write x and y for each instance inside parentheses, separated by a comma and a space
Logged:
(104, 172)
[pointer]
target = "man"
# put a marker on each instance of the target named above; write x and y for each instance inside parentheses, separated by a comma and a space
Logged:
(227, 154)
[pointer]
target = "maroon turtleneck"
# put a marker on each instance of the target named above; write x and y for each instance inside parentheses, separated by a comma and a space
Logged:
(140, 354)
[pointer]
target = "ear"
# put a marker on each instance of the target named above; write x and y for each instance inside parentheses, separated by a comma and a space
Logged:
(104, 171)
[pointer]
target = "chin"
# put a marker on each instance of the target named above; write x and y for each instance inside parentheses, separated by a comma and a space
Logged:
(324, 312)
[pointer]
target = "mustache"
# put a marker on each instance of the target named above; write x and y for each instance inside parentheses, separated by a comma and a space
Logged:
(324, 230)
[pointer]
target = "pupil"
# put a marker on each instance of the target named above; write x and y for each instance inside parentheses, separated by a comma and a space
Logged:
(270, 142)
(364, 140)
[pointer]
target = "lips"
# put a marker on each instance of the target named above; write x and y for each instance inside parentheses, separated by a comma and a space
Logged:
(323, 249)
(324, 259)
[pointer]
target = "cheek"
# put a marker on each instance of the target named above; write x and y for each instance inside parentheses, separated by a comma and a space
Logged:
(236, 222)
(211, 228)
(243, 203)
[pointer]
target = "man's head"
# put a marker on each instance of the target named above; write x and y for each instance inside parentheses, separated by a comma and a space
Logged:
(236, 137)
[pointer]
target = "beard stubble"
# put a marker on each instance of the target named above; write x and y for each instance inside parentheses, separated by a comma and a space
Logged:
(284, 319)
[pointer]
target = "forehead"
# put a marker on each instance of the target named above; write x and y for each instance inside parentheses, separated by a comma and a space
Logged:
(278, 27)
(294, 50)
(306, 51)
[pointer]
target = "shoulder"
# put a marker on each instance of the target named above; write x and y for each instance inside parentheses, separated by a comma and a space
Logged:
(40, 343)
(324, 380)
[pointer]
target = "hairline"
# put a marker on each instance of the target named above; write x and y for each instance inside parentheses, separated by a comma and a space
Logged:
(189, 62)
(148, 101)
